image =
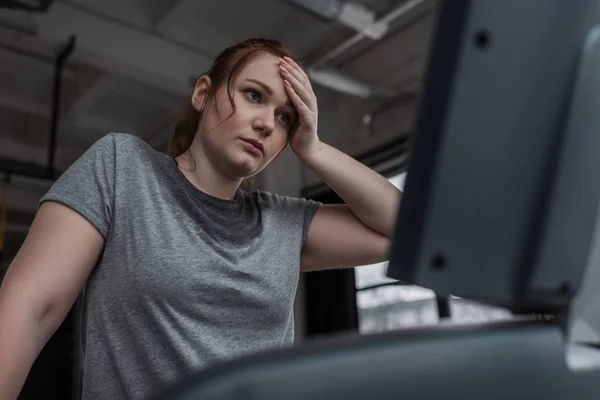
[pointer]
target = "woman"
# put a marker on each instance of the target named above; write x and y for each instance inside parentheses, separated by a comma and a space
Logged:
(181, 267)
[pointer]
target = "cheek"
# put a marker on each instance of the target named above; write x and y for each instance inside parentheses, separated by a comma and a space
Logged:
(284, 143)
(219, 123)
(223, 105)
(283, 137)
(218, 117)
(279, 144)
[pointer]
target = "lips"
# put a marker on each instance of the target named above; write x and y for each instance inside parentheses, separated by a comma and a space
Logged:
(256, 144)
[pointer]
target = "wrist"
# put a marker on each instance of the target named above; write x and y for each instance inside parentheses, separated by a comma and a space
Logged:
(311, 152)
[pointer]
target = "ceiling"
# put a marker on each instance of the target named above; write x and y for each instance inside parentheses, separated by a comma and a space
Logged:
(133, 63)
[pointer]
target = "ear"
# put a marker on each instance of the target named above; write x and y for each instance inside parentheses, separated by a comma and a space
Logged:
(200, 92)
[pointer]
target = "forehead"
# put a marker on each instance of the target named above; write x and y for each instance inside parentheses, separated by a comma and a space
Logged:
(262, 65)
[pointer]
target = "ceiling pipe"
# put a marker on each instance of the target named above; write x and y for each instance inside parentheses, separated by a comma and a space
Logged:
(329, 77)
(362, 20)
(387, 19)
(351, 14)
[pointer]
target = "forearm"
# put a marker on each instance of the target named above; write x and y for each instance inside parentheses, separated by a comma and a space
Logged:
(22, 341)
(370, 196)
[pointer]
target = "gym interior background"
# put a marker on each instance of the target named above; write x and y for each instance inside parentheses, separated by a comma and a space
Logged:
(72, 71)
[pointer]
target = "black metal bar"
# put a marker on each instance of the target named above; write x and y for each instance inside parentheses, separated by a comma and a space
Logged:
(45, 5)
(58, 68)
(5, 183)
(443, 306)
(383, 284)
(26, 53)
(31, 170)
(398, 143)
(18, 5)
(41, 6)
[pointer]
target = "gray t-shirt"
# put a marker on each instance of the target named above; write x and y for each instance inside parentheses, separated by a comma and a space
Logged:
(185, 279)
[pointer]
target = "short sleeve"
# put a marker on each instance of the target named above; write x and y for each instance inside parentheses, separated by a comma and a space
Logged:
(293, 212)
(88, 185)
(310, 209)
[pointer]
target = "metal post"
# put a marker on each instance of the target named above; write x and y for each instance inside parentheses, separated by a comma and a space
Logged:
(443, 306)
(58, 68)
(3, 212)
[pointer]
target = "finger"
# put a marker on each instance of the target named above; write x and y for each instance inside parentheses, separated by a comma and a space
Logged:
(294, 80)
(302, 91)
(294, 72)
(296, 66)
(297, 71)
(299, 104)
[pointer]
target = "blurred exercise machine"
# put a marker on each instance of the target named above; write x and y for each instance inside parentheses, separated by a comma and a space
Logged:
(3, 212)
(500, 206)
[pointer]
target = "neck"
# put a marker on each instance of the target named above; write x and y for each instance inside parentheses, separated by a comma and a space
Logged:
(199, 171)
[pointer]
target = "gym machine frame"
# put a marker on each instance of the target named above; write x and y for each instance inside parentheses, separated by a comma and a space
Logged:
(49, 172)
(500, 206)
(14, 167)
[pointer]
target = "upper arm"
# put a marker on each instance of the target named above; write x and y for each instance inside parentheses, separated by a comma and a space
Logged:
(337, 239)
(52, 265)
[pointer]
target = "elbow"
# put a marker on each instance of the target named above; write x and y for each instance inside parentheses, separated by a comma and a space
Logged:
(46, 317)
(383, 222)
(49, 313)
(383, 251)
(384, 227)
(377, 251)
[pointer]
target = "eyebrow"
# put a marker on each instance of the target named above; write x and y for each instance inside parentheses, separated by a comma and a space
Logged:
(269, 90)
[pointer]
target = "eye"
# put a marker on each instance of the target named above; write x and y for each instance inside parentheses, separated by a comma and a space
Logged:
(252, 94)
(285, 118)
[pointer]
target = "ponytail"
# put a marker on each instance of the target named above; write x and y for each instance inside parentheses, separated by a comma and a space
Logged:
(184, 133)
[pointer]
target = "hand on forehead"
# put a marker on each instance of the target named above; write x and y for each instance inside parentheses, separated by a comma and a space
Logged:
(264, 70)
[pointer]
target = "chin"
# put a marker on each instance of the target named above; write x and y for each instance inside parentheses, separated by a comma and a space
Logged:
(245, 165)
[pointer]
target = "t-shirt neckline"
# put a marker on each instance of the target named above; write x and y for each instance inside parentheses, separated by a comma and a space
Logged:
(205, 196)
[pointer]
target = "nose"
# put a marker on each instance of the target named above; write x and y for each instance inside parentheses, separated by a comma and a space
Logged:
(264, 122)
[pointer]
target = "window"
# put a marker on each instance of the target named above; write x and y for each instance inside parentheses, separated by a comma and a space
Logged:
(384, 304)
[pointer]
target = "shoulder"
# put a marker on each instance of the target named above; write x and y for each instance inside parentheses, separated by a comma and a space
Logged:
(126, 142)
(125, 149)
(115, 142)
